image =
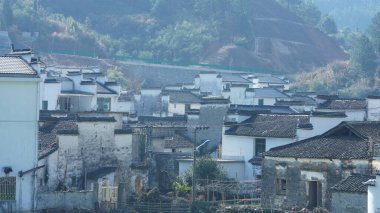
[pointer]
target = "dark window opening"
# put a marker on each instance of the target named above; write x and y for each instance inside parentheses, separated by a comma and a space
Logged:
(259, 146)
(315, 194)
(44, 105)
(261, 102)
(104, 104)
(281, 186)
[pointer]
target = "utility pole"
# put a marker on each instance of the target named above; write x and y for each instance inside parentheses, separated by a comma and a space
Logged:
(196, 129)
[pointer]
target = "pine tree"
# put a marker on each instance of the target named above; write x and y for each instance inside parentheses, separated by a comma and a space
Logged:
(374, 33)
(363, 56)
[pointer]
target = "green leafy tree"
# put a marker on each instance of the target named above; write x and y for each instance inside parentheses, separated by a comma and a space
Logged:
(363, 57)
(115, 74)
(328, 25)
(374, 33)
(182, 41)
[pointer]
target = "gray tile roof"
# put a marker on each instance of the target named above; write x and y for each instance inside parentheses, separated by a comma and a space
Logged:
(269, 93)
(16, 67)
(353, 184)
(270, 80)
(182, 96)
(103, 89)
(177, 141)
(334, 147)
(269, 125)
(341, 104)
(349, 140)
(234, 78)
(176, 121)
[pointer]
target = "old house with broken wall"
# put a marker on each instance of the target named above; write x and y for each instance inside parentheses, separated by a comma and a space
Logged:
(304, 172)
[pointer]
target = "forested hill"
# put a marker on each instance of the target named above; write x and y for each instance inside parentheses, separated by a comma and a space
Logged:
(242, 33)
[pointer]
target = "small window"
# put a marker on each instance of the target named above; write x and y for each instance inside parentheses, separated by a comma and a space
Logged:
(281, 186)
(259, 146)
(45, 105)
(261, 102)
(104, 104)
(7, 188)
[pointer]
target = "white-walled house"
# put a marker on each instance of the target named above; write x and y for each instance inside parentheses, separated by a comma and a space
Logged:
(355, 109)
(261, 132)
(19, 109)
(180, 102)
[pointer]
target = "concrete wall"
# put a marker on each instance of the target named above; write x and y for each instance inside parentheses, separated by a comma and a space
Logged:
(348, 202)
(19, 107)
(67, 200)
(297, 173)
(267, 101)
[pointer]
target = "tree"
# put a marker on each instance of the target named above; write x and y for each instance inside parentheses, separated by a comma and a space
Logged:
(206, 168)
(115, 74)
(374, 33)
(363, 57)
(328, 25)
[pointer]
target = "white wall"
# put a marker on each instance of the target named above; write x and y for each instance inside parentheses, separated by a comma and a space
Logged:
(209, 82)
(50, 94)
(267, 101)
(373, 109)
(177, 108)
(373, 197)
(19, 107)
(234, 146)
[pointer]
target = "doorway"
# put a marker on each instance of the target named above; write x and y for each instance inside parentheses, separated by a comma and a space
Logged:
(315, 194)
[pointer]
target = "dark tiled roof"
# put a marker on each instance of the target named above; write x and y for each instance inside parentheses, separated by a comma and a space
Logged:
(269, 93)
(87, 82)
(123, 131)
(289, 103)
(176, 121)
(334, 147)
(214, 100)
(47, 135)
(373, 97)
(269, 125)
(340, 104)
(96, 119)
(348, 140)
(261, 109)
(353, 184)
(182, 96)
(270, 80)
(227, 77)
(103, 89)
(328, 114)
(327, 97)
(177, 141)
(16, 67)
(75, 92)
(52, 80)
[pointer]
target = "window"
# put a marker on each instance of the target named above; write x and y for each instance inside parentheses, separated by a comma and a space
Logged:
(261, 102)
(7, 188)
(259, 146)
(281, 186)
(104, 104)
(44, 105)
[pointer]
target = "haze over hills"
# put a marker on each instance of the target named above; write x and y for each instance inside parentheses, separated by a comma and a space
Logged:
(244, 33)
(354, 14)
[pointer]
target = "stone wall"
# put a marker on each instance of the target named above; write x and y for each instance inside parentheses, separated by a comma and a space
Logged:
(297, 173)
(348, 202)
(67, 200)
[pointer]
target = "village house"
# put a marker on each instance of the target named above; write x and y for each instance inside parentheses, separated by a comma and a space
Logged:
(302, 174)
(257, 134)
(19, 108)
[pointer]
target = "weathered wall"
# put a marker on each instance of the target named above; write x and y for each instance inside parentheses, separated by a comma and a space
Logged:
(348, 202)
(297, 174)
(67, 200)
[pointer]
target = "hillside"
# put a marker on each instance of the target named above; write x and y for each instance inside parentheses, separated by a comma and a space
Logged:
(243, 33)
